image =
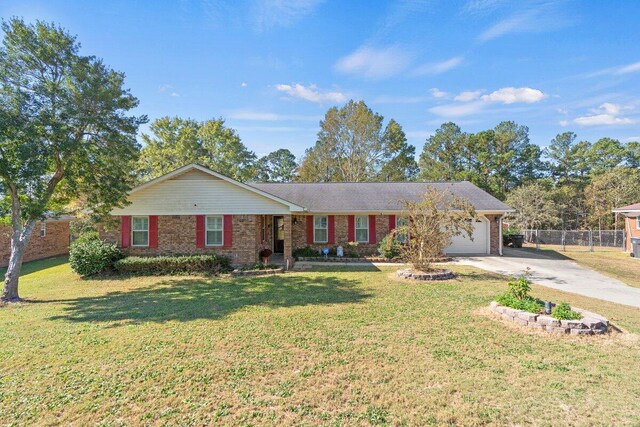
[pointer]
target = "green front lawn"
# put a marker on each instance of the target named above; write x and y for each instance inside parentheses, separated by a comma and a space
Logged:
(332, 347)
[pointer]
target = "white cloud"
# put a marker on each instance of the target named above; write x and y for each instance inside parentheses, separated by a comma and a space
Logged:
(511, 95)
(374, 63)
(532, 17)
(437, 93)
(617, 71)
(564, 123)
(602, 119)
(243, 84)
(311, 93)
(439, 67)
(631, 68)
(175, 94)
(469, 95)
(281, 13)
(261, 116)
(606, 114)
(458, 110)
(164, 88)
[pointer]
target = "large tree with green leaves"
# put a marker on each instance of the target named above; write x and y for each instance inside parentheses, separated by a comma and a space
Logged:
(615, 187)
(496, 160)
(534, 206)
(278, 166)
(353, 146)
(175, 142)
(65, 132)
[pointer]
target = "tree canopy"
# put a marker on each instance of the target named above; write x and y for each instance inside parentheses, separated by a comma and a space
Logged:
(175, 142)
(353, 146)
(65, 132)
(277, 166)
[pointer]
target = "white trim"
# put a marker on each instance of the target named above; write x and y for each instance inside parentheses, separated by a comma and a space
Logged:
(638, 223)
(355, 228)
(292, 207)
(43, 229)
(499, 236)
(147, 230)
(320, 228)
(206, 229)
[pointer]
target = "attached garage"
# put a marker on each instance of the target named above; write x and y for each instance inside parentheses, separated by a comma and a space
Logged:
(479, 245)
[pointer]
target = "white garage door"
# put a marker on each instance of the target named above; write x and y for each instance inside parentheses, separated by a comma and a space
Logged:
(480, 244)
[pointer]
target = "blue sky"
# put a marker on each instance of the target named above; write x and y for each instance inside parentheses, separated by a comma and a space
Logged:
(272, 68)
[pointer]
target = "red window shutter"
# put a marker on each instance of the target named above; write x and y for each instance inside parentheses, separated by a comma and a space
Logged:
(392, 223)
(153, 231)
(372, 229)
(351, 228)
(332, 229)
(227, 241)
(199, 231)
(310, 229)
(125, 231)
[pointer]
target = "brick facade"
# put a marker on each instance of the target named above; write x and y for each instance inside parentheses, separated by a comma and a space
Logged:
(177, 236)
(299, 234)
(494, 233)
(54, 243)
(382, 229)
(631, 230)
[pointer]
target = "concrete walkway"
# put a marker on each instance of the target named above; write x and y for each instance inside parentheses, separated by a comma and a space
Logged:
(564, 275)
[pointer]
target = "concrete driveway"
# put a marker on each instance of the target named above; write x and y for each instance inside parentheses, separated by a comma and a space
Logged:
(564, 275)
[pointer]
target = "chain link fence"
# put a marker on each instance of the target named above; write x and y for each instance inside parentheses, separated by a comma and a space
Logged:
(587, 239)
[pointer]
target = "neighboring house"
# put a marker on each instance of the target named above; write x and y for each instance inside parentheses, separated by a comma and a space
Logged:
(49, 238)
(195, 210)
(631, 223)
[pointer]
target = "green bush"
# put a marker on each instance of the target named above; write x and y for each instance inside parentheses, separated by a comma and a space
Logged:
(389, 247)
(563, 312)
(307, 251)
(259, 266)
(89, 255)
(530, 304)
(519, 287)
(161, 265)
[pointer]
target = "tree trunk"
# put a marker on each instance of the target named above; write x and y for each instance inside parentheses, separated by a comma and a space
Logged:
(19, 241)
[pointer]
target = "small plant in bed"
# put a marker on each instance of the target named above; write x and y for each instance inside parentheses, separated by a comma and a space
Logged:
(518, 297)
(165, 265)
(259, 266)
(563, 312)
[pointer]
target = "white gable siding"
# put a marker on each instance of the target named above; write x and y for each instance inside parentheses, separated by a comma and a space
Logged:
(187, 195)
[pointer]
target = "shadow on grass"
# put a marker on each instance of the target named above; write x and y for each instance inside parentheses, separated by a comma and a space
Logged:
(346, 268)
(191, 299)
(39, 265)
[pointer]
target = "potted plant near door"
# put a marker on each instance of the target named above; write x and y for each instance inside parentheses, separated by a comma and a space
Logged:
(264, 255)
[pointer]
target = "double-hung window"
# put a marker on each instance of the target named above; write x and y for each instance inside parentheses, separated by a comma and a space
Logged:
(362, 229)
(140, 231)
(638, 223)
(401, 222)
(43, 229)
(320, 229)
(214, 230)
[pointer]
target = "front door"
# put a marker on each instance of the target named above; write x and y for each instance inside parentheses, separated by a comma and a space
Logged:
(278, 234)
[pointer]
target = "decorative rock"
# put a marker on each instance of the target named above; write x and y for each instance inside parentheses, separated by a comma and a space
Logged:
(422, 275)
(589, 324)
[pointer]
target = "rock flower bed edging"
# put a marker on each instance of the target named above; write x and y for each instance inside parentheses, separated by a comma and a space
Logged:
(412, 274)
(589, 324)
(237, 272)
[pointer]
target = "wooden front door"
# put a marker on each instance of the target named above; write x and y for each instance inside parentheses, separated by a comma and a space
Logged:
(278, 234)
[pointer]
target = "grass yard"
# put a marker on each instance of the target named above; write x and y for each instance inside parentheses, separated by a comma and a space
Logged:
(610, 262)
(331, 347)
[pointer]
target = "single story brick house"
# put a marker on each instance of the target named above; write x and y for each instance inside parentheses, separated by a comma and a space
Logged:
(196, 210)
(50, 238)
(631, 223)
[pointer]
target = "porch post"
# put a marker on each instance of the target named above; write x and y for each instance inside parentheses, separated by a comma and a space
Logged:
(288, 242)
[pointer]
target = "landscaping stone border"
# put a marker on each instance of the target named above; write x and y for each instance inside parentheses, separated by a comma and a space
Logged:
(412, 274)
(237, 272)
(589, 324)
(360, 259)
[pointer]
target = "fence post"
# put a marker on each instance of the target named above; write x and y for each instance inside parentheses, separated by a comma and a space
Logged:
(590, 240)
(537, 239)
(564, 242)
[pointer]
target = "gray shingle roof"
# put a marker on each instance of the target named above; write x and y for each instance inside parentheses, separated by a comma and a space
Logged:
(373, 196)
